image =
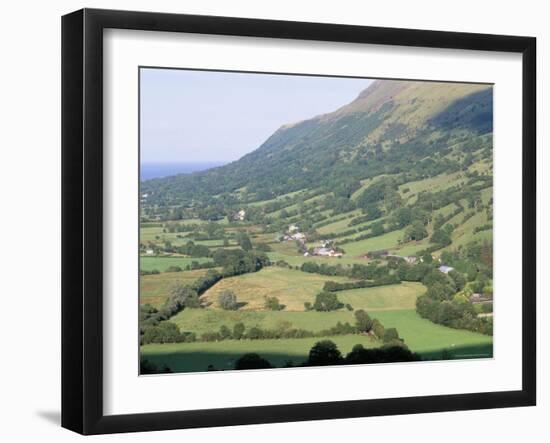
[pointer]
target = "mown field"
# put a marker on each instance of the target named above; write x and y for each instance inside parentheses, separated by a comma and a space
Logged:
(291, 287)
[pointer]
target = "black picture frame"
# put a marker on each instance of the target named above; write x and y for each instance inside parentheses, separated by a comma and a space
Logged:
(82, 218)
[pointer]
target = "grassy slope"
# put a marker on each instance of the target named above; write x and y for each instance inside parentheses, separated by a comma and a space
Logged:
(291, 287)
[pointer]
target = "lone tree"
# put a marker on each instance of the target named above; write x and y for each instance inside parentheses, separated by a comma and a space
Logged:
(272, 304)
(324, 353)
(326, 301)
(363, 321)
(228, 301)
(181, 296)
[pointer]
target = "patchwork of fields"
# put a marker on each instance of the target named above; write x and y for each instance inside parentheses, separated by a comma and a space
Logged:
(381, 210)
(393, 305)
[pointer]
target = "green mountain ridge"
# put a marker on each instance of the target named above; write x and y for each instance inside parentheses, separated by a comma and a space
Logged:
(418, 129)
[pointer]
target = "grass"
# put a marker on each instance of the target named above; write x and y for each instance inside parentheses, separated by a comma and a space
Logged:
(432, 184)
(208, 320)
(163, 263)
(464, 233)
(291, 287)
(193, 357)
(154, 289)
(422, 336)
(429, 339)
(391, 297)
(412, 248)
(385, 241)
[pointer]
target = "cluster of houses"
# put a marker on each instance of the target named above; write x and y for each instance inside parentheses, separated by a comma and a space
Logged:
(293, 234)
(410, 259)
(324, 252)
(239, 215)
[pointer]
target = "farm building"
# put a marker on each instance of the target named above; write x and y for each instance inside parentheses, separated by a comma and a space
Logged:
(239, 216)
(326, 252)
(446, 269)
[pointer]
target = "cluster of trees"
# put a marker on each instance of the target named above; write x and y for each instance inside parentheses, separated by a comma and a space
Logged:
(193, 250)
(326, 353)
(239, 261)
(333, 286)
(325, 301)
(149, 272)
(443, 303)
(283, 331)
(370, 271)
(454, 313)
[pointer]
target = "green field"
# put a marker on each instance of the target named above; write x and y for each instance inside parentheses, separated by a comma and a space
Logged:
(162, 263)
(194, 357)
(422, 336)
(385, 241)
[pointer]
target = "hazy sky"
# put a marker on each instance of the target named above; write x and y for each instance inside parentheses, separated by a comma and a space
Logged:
(199, 116)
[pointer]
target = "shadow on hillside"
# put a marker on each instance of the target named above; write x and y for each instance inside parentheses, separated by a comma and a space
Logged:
(474, 112)
(197, 361)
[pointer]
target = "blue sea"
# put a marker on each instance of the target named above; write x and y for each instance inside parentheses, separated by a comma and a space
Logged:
(158, 170)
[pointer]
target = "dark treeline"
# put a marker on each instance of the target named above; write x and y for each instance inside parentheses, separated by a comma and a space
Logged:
(326, 353)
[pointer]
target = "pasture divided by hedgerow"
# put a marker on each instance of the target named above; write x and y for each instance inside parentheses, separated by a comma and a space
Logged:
(421, 336)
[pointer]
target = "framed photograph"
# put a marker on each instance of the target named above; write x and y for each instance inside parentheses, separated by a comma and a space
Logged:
(269, 221)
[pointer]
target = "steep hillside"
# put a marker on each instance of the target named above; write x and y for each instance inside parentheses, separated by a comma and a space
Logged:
(391, 127)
